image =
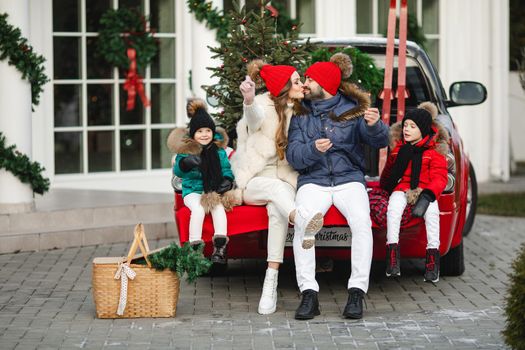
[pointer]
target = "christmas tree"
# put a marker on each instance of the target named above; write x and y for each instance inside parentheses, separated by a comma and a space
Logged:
(365, 73)
(251, 35)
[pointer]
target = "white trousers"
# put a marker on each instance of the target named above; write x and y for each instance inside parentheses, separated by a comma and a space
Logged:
(352, 201)
(279, 198)
(396, 206)
(218, 214)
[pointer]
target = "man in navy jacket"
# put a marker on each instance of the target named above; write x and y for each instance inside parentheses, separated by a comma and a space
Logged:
(325, 145)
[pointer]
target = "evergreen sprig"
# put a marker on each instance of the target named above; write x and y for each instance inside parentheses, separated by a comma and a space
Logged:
(122, 29)
(514, 332)
(183, 260)
(22, 167)
(251, 35)
(365, 73)
(20, 54)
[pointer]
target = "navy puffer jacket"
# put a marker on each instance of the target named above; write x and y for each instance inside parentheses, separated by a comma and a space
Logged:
(340, 119)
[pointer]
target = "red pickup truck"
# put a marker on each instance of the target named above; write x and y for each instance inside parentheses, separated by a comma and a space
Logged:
(247, 225)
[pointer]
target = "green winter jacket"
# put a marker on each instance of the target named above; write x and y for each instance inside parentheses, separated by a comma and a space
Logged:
(192, 180)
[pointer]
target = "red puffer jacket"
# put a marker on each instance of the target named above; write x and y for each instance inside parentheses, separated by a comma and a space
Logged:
(433, 174)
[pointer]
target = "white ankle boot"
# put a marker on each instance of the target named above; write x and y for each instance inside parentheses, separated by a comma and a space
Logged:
(268, 302)
(310, 223)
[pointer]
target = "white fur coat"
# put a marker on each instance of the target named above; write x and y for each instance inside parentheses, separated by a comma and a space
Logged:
(256, 142)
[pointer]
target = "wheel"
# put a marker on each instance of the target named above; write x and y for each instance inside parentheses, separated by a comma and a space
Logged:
(453, 264)
(472, 201)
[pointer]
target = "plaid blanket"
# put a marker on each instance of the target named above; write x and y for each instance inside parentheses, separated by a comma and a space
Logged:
(378, 207)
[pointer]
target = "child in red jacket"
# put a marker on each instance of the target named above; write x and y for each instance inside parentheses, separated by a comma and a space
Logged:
(415, 173)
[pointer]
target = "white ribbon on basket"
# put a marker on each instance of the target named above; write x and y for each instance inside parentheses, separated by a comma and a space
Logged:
(123, 273)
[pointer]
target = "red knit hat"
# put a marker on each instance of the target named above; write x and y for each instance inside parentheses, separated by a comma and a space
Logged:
(326, 74)
(276, 77)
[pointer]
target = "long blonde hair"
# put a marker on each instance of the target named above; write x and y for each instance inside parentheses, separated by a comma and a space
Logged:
(281, 104)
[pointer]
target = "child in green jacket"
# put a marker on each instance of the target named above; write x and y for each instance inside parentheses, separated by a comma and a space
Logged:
(203, 166)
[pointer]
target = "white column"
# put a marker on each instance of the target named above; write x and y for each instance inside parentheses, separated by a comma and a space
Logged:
(15, 115)
(465, 54)
(41, 19)
(201, 38)
(335, 18)
(500, 157)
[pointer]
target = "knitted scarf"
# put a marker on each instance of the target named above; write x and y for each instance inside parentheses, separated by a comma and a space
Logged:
(211, 167)
(407, 153)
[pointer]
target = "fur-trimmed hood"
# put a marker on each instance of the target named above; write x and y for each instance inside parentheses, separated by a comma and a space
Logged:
(352, 92)
(440, 137)
(350, 103)
(180, 142)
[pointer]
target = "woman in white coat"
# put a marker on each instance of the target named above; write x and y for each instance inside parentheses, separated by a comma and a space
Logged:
(259, 163)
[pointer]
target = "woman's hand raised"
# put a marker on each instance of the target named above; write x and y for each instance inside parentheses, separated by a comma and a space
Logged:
(247, 88)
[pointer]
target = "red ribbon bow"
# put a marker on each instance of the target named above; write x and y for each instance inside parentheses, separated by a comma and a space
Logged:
(273, 11)
(134, 83)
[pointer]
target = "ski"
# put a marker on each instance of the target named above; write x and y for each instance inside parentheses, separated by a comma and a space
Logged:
(387, 85)
(402, 61)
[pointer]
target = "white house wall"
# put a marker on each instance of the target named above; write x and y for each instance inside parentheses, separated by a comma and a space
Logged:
(474, 46)
(41, 28)
(15, 115)
(335, 18)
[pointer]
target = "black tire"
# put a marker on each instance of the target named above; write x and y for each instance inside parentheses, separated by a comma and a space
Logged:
(453, 264)
(472, 201)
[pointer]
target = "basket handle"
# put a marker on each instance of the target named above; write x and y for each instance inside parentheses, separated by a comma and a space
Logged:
(139, 242)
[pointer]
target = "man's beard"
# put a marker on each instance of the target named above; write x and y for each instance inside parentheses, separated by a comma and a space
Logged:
(317, 94)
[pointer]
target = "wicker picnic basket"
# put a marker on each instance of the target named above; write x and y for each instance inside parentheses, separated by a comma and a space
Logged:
(122, 289)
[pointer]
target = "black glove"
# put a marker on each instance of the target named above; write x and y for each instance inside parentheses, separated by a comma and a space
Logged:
(421, 206)
(189, 162)
(225, 186)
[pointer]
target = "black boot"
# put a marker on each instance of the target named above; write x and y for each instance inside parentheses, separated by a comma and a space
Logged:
(354, 305)
(432, 266)
(392, 260)
(198, 246)
(309, 307)
(219, 250)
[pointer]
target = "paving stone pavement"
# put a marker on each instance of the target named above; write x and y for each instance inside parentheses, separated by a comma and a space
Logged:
(46, 303)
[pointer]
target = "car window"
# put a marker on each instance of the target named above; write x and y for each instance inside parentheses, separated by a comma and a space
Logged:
(416, 84)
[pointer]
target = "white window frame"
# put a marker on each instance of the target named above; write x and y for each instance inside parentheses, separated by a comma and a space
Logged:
(147, 126)
(375, 19)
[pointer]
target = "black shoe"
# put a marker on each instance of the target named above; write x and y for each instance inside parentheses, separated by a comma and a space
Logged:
(309, 307)
(219, 250)
(354, 305)
(198, 247)
(432, 266)
(392, 260)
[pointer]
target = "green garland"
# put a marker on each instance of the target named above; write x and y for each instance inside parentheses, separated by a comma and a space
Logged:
(22, 167)
(183, 260)
(18, 53)
(215, 19)
(122, 29)
(212, 17)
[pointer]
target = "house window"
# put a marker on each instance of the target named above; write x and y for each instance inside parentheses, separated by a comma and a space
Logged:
(93, 131)
(303, 10)
(372, 19)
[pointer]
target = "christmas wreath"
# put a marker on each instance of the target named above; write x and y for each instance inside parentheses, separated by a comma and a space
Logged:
(18, 53)
(126, 42)
(22, 167)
